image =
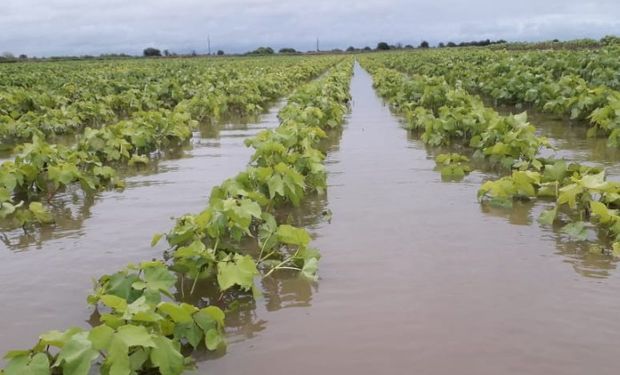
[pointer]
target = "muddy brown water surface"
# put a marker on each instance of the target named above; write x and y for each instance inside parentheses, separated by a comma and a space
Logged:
(46, 275)
(416, 276)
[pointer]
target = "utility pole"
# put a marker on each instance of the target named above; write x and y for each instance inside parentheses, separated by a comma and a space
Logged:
(317, 44)
(209, 44)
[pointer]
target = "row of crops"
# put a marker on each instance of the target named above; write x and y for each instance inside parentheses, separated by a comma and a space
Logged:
(438, 95)
(582, 85)
(140, 111)
(146, 321)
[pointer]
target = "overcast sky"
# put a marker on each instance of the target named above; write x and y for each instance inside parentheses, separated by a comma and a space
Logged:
(76, 27)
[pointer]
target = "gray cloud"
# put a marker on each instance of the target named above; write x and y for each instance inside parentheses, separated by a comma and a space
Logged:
(55, 27)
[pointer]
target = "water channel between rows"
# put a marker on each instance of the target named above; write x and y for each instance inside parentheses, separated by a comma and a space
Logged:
(416, 276)
(46, 276)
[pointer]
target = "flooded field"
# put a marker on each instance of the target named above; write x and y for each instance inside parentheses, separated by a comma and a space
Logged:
(415, 277)
(47, 275)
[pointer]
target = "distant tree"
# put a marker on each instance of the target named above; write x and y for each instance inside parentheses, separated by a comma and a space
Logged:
(23, 57)
(8, 56)
(220, 52)
(337, 50)
(609, 40)
(408, 46)
(451, 44)
(350, 49)
(194, 54)
(555, 40)
(424, 44)
(166, 53)
(287, 50)
(262, 51)
(383, 46)
(367, 48)
(151, 52)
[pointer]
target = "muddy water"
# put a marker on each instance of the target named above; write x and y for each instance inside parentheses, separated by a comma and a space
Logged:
(46, 276)
(570, 139)
(416, 277)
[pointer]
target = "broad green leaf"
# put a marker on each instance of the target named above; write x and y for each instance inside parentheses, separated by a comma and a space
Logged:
(178, 313)
(599, 209)
(157, 279)
(240, 272)
(293, 236)
(213, 339)
(101, 336)
(114, 302)
(547, 217)
(40, 213)
(38, 364)
(135, 336)
(166, 356)
(77, 355)
(58, 338)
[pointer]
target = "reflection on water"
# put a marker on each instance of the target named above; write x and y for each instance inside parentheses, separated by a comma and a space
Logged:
(588, 259)
(571, 140)
(414, 272)
(572, 144)
(96, 234)
(72, 207)
(283, 289)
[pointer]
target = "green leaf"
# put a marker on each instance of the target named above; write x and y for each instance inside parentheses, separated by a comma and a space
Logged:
(547, 217)
(166, 356)
(178, 313)
(293, 236)
(599, 209)
(135, 336)
(40, 213)
(101, 336)
(189, 331)
(114, 302)
(215, 313)
(77, 355)
(276, 186)
(213, 339)
(158, 279)
(156, 238)
(117, 360)
(239, 272)
(26, 365)
(58, 338)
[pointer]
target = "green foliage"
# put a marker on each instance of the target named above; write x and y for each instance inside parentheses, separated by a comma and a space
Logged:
(143, 329)
(122, 121)
(452, 166)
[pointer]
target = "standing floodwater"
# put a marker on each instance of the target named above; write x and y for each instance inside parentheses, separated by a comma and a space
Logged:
(46, 276)
(416, 278)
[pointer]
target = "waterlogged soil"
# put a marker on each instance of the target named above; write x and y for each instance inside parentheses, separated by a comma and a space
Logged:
(46, 275)
(570, 139)
(418, 277)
